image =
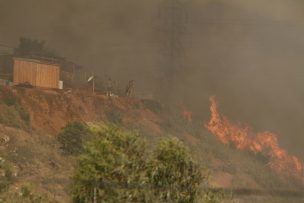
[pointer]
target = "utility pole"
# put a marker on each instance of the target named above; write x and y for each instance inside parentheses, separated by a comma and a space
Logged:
(93, 85)
(73, 77)
(92, 79)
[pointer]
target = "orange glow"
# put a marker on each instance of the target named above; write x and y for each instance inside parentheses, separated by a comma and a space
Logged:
(243, 138)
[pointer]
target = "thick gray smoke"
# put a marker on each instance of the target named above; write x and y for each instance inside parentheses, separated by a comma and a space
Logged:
(249, 53)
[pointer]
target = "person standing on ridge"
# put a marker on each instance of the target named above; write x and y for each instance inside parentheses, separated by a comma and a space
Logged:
(130, 88)
(109, 88)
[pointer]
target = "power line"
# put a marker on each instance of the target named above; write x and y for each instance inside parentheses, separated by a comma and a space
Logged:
(6, 46)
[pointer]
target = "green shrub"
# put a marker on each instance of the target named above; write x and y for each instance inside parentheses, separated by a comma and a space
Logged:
(115, 167)
(111, 169)
(25, 116)
(173, 174)
(13, 113)
(152, 105)
(114, 116)
(73, 137)
(26, 190)
(10, 116)
(8, 97)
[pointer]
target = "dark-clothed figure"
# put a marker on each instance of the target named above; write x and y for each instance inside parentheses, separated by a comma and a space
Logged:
(109, 87)
(130, 88)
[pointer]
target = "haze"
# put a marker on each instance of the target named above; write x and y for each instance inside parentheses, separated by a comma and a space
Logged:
(249, 53)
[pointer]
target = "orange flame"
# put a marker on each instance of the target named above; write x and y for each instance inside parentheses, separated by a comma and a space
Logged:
(243, 138)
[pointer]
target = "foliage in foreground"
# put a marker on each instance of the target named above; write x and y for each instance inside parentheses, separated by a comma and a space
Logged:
(115, 167)
(172, 173)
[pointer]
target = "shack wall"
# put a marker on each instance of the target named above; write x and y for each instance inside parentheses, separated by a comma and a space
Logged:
(37, 74)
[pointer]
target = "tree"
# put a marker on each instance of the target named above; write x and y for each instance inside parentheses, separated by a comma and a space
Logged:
(115, 167)
(73, 137)
(112, 169)
(32, 48)
(172, 173)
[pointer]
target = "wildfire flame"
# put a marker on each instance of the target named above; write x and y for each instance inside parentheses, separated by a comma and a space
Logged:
(243, 138)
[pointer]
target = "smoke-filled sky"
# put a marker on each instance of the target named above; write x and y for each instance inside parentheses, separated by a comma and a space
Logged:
(249, 53)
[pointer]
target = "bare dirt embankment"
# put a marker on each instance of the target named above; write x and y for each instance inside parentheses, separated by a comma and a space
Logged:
(50, 110)
(29, 144)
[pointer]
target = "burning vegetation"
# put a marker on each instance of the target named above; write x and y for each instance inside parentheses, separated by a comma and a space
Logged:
(244, 138)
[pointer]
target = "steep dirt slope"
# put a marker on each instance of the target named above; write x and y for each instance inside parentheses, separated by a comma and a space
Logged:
(35, 159)
(34, 154)
(32, 151)
(51, 110)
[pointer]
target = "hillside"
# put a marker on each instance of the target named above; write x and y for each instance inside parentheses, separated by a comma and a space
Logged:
(30, 119)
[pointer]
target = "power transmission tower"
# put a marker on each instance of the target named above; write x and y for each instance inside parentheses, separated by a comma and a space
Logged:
(171, 31)
(173, 19)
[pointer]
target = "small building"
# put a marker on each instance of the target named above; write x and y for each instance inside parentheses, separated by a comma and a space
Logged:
(38, 73)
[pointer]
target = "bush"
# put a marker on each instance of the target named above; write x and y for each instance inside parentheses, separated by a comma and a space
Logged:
(173, 174)
(10, 116)
(13, 113)
(25, 116)
(73, 137)
(114, 116)
(111, 169)
(115, 167)
(152, 105)
(8, 97)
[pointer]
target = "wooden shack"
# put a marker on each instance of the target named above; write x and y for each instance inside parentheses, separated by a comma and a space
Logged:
(36, 72)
